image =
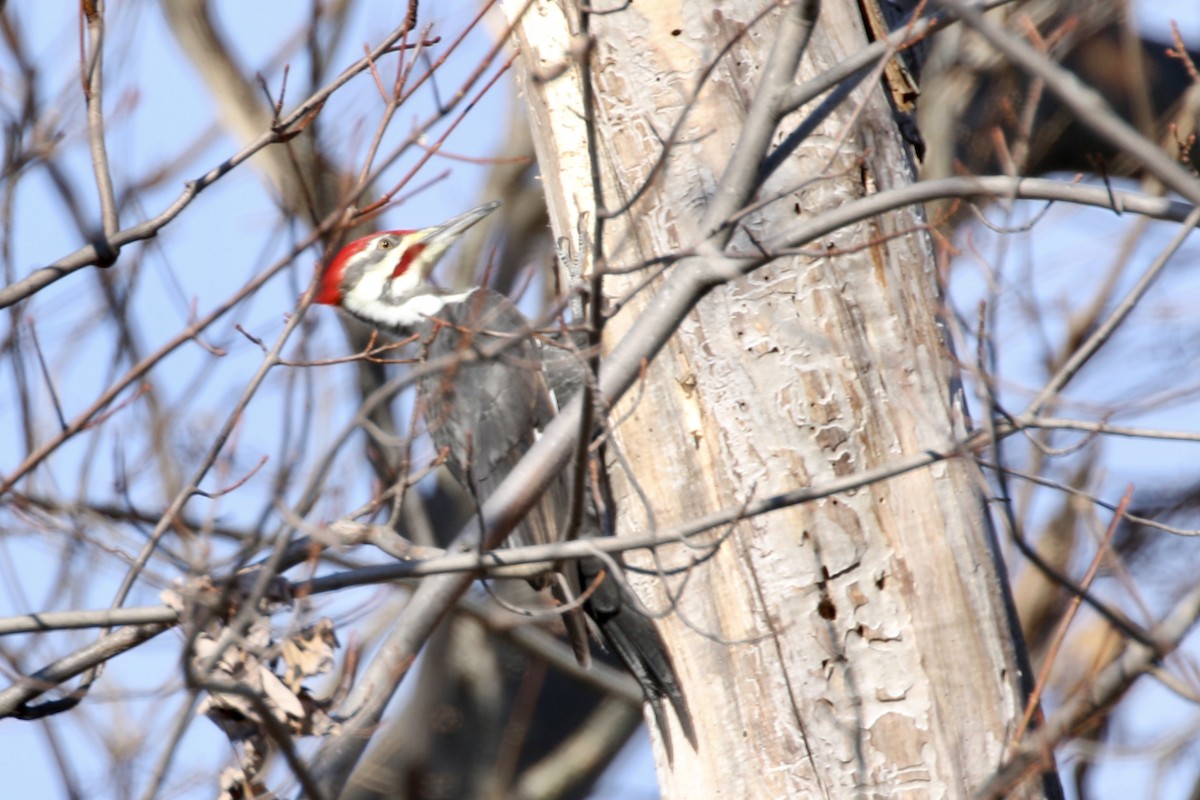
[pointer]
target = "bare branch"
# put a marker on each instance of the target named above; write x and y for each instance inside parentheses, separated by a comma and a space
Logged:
(14, 698)
(1102, 333)
(94, 253)
(93, 82)
(1086, 103)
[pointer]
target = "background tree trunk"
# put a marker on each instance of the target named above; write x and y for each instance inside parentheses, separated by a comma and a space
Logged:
(860, 641)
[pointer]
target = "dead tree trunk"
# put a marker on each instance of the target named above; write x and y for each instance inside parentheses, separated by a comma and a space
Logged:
(861, 642)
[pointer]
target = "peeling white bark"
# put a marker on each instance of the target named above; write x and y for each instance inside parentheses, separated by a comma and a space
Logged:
(860, 644)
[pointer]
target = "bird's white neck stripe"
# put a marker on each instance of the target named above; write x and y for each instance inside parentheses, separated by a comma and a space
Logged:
(406, 315)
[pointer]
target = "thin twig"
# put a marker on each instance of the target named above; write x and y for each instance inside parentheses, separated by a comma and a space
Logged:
(93, 82)
(95, 253)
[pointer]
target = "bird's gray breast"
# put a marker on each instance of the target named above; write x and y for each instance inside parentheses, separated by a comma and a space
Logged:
(489, 398)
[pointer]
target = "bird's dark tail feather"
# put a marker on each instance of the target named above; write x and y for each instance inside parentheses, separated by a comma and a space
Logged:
(631, 635)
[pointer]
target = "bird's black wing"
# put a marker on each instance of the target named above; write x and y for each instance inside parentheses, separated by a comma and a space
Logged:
(485, 409)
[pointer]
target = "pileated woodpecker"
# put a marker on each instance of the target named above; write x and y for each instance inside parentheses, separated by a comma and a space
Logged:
(486, 413)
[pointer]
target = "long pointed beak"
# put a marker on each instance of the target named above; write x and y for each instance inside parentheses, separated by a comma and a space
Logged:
(434, 241)
(448, 231)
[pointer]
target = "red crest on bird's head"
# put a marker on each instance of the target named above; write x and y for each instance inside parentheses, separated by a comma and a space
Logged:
(330, 292)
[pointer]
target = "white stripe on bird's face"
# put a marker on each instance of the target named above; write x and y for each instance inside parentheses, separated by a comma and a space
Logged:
(393, 291)
(405, 315)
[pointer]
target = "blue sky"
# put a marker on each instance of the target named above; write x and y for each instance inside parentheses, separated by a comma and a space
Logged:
(157, 107)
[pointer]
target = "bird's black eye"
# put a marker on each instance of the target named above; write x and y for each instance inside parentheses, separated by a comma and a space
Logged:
(384, 244)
